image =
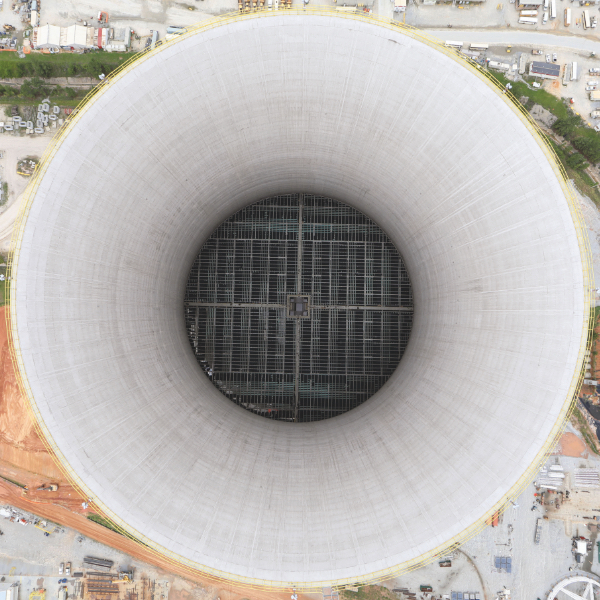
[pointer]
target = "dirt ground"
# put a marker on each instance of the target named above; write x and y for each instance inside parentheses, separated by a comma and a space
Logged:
(571, 445)
(13, 148)
(24, 460)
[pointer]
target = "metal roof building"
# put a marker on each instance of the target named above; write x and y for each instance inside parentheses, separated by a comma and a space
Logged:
(48, 36)
(342, 107)
(545, 70)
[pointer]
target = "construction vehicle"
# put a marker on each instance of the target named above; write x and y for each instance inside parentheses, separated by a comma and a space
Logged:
(102, 17)
(53, 487)
(8, 27)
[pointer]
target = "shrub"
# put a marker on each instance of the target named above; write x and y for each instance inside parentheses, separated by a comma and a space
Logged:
(577, 161)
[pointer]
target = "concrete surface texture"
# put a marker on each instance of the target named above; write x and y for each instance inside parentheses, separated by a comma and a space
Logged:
(358, 112)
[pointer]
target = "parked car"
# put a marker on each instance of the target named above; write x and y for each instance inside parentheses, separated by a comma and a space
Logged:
(68, 569)
(537, 52)
(548, 58)
(595, 70)
(555, 57)
(590, 88)
(592, 82)
(61, 568)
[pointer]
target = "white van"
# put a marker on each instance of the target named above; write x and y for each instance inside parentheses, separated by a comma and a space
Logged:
(545, 17)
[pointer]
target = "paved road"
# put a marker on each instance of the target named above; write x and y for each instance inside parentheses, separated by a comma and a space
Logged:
(517, 38)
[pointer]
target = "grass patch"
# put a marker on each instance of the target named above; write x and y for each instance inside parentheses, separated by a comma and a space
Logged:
(583, 182)
(60, 65)
(4, 288)
(550, 102)
(110, 525)
(582, 426)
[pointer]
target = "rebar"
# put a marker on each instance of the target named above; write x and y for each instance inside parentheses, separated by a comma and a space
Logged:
(298, 368)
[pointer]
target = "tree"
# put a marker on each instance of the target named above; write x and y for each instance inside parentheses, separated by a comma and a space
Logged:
(70, 93)
(577, 161)
(41, 68)
(589, 147)
(567, 125)
(33, 88)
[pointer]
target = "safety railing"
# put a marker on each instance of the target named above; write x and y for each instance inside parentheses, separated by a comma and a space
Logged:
(181, 564)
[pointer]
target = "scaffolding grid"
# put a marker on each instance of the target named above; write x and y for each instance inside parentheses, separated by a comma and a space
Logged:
(290, 368)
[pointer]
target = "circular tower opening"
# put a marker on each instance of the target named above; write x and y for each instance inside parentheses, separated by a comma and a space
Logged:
(298, 308)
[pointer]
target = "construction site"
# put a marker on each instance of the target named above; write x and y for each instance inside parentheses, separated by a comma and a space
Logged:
(305, 357)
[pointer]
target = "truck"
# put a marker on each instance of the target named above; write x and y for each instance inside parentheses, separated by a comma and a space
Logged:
(537, 52)
(567, 17)
(399, 6)
(587, 22)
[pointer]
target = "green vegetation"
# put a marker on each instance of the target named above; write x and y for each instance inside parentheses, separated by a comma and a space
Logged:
(555, 105)
(104, 522)
(60, 65)
(582, 426)
(579, 137)
(110, 525)
(568, 125)
(3, 261)
(589, 147)
(583, 182)
(35, 89)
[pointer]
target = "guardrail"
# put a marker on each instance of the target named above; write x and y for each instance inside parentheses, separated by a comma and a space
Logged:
(180, 563)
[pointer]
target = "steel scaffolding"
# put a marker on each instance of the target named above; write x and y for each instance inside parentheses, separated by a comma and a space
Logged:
(318, 362)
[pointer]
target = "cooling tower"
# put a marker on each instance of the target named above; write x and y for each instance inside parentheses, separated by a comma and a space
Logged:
(372, 115)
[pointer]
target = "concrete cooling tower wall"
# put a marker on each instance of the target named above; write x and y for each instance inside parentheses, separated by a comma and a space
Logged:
(366, 113)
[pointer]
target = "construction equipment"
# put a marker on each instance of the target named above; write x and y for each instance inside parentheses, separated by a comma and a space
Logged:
(41, 528)
(53, 487)
(8, 27)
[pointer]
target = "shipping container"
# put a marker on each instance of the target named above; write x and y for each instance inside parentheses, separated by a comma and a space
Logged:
(529, 13)
(479, 46)
(527, 20)
(574, 72)
(553, 9)
(567, 17)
